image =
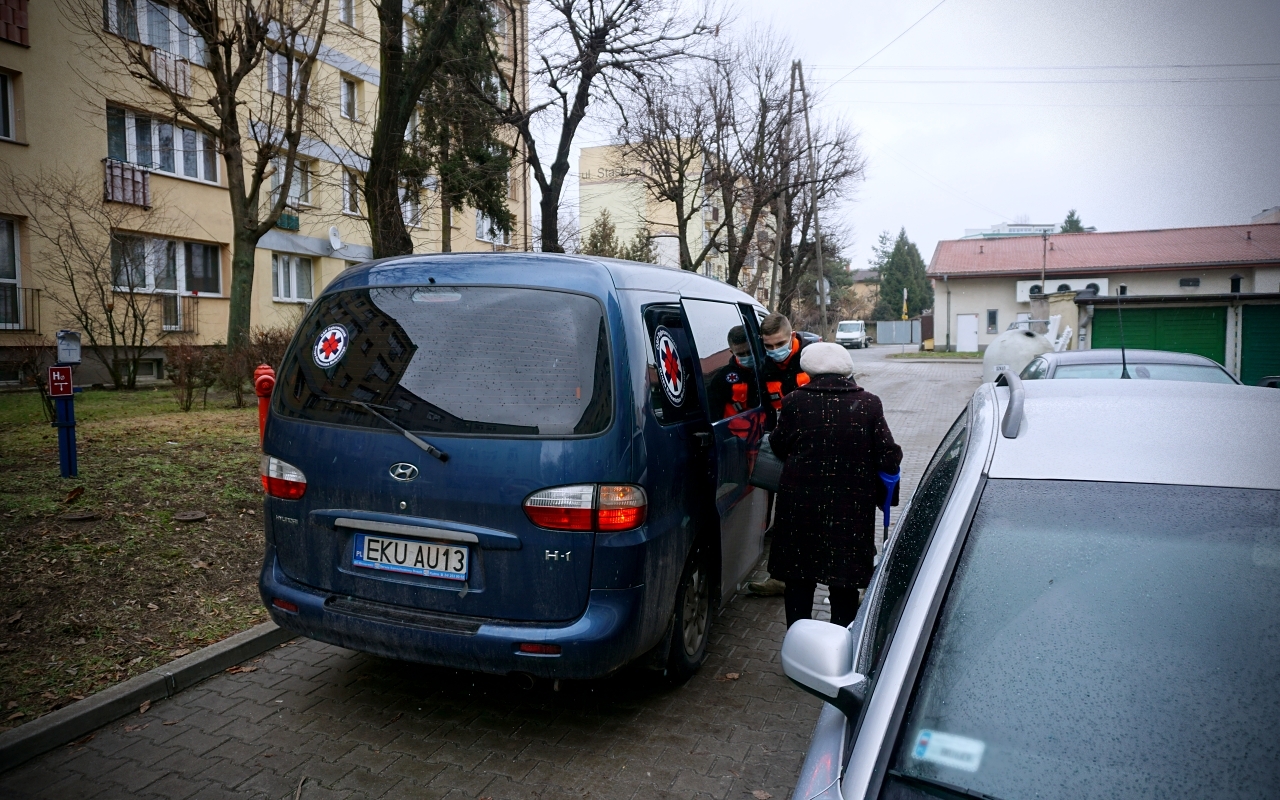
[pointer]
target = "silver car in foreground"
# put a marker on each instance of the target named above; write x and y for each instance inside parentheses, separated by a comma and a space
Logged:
(1081, 601)
(1156, 365)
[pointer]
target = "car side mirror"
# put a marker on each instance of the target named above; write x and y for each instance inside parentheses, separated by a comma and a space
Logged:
(818, 657)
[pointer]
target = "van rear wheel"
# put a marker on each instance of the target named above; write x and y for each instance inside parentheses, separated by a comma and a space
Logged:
(692, 624)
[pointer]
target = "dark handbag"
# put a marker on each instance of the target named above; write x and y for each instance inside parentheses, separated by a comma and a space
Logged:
(767, 472)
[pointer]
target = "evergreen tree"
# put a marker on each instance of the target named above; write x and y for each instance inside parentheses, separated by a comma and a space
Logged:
(904, 268)
(456, 136)
(881, 250)
(1072, 223)
(602, 237)
(641, 248)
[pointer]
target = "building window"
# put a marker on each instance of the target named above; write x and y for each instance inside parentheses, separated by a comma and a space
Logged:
(350, 99)
(299, 187)
(488, 231)
(410, 206)
(164, 266)
(993, 321)
(347, 12)
(290, 278)
(155, 24)
(279, 76)
(160, 146)
(121, 18)
(10, 314)
(8, 112)
(1189, 283)
(350, 192)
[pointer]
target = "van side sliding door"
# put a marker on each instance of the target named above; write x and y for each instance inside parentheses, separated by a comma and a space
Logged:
(731, 399)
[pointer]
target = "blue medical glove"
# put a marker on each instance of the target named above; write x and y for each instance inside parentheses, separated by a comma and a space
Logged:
(890, 481)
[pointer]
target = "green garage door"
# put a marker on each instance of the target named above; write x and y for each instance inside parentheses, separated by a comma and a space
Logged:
(1202, 331)
(1260, 343)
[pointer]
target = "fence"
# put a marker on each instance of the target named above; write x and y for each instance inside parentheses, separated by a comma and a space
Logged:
(907, 332)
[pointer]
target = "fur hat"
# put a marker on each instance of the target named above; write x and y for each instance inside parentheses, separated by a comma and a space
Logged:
(825, 358)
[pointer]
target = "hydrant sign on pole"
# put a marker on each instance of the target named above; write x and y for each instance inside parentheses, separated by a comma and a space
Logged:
(60, 382)
(62, 391)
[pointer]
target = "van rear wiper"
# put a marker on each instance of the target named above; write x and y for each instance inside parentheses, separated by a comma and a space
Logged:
(372, 409)
(932, 783)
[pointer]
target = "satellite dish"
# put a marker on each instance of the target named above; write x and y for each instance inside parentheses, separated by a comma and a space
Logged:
(335, 240)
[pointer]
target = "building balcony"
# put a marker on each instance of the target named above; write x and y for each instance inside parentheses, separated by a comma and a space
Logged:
(172, 71)
(19, 309)
(180, 314)
(126, 183)
(289, 220)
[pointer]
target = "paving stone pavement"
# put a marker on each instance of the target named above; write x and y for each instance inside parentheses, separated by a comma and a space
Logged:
(314, 721)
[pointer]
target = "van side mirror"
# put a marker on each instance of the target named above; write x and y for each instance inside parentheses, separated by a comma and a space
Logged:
(818, 657)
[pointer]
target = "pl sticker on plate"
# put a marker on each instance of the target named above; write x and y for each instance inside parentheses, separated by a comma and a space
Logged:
(330, 346)
(948, 750)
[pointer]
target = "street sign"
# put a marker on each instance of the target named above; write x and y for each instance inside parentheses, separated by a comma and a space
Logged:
(68, 347)
(60, 382)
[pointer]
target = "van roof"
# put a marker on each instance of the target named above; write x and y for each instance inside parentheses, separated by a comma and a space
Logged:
(536, 269)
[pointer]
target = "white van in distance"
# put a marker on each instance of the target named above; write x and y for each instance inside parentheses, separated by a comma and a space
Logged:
(852, 333)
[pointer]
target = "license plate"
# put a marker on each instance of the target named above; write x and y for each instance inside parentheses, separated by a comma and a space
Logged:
(413, 557)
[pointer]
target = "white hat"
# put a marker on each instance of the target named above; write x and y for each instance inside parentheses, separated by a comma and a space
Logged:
(825, 358)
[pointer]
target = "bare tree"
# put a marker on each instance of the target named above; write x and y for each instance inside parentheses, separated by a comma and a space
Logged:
(664, 131)
(102, 276)
(583, 49)
(253, 100)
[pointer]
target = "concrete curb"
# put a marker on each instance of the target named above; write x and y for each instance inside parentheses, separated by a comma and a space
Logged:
(41, 735)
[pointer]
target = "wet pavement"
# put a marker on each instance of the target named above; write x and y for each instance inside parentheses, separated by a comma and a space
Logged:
(308, 720)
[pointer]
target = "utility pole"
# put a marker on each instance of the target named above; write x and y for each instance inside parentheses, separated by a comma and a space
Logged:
(780, 210)
(797, 69)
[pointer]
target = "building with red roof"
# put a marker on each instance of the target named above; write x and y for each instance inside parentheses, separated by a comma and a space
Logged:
(1213, 290)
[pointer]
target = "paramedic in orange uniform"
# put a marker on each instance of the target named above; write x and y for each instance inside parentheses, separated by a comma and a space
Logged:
(732, 388)
(780, 374)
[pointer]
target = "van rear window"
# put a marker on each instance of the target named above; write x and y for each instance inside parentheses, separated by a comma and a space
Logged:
(464, 360)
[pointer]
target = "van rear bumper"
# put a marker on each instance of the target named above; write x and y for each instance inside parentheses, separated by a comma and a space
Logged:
(603, 639)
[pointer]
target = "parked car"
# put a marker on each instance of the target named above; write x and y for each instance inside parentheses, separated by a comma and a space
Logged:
(1271, 382)
(508, 463)
(1080, 601)
(852, 333)
(1157, 365)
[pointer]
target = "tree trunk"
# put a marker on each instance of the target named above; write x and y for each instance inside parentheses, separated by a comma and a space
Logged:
(549, 205)
(244, 246)
(382, 193)
(446, 224)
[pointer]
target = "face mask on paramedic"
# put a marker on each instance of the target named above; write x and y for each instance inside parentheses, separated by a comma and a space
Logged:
(777, 345)
(780, 354)
(742, 355)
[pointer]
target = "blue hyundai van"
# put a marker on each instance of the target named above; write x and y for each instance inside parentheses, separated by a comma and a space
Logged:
(509, 463)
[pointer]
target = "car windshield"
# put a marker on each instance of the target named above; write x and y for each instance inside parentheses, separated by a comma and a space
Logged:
(464, 360)
(1203, 373)
(1104, 640)
(849, 327)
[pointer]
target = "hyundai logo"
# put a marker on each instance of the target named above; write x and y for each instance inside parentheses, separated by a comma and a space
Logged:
(403, 471)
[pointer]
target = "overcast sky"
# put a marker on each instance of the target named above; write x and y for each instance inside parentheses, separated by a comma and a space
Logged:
(992, 132)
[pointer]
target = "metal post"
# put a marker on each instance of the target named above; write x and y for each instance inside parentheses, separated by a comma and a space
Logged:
(65, 420)
(798, 69)
(946, 280)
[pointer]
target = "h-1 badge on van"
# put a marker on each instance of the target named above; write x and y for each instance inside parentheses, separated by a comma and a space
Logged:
(514, 463)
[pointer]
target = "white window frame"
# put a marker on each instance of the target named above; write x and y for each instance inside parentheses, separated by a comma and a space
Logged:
(16, 280)
(180, 39)
(153, 262)
(349, 98)
(347, 12)
(299, 188)
(411, 206)
(486, 231)
(284, 277)
(350, 193)
(206, 153)
(278, 73)
(8, 109)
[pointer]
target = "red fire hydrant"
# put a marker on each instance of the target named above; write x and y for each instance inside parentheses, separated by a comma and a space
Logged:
(264, 380)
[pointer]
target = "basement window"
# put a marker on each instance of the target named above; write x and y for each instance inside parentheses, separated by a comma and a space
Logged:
(1189, 283)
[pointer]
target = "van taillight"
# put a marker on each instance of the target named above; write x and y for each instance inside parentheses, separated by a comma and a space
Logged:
(281, 479)
(620, 508)
(587, 507)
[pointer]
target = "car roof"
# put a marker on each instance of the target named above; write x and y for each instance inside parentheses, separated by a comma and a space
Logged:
(554, 270)
(1111, 355)
(1168, 432)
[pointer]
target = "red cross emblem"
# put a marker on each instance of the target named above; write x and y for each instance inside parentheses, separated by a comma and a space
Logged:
(670, 370)
(330, 346)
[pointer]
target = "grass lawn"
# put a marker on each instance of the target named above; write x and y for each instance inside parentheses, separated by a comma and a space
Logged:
(938, 354)
(85, 604)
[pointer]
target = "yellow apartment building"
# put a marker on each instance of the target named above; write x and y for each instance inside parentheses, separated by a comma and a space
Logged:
(63, 116)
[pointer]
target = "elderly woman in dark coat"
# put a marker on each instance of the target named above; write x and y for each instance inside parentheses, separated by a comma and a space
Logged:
(834, 443)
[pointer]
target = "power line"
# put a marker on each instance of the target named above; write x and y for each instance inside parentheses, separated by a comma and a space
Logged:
(894, 39)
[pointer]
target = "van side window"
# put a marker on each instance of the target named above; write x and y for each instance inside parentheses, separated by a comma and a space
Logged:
(1037, 369)
(718, 330)
(911, 542)
(673, 393)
